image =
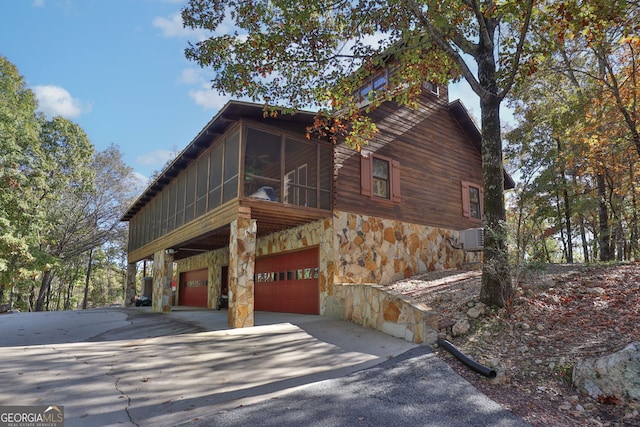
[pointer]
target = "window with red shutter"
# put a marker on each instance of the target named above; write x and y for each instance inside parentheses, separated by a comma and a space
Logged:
(472, 203)
(380, 178)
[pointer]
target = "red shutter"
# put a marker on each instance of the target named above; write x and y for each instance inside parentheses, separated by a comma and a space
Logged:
(395, 181)
(365, 175)
(466, 210)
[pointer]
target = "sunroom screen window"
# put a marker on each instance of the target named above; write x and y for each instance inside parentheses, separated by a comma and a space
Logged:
(301, 181)
(262, 165)
(231, 154)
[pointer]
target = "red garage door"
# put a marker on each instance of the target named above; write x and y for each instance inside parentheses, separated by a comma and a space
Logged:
(194, 288)
(288, 283)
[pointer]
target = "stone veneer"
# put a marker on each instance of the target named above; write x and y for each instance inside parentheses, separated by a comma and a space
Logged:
(359, 254)
(391, 312)
(213, 261)
(382, 251)
(162, 274)
(130, 296)
(242, 259)
(373, 252)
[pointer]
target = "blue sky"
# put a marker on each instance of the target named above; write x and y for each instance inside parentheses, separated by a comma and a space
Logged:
(117, 68)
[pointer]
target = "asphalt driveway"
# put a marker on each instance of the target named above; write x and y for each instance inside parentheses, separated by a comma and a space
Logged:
(120, 366)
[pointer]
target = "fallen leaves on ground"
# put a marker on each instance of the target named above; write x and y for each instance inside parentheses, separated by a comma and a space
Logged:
(561, 313)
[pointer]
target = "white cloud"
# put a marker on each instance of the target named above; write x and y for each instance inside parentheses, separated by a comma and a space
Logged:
(156, 157)
(172, 26)
(208, 98)
(202, 94)
(139, 182)
(38, 3)
(191, 76)
(57, 101)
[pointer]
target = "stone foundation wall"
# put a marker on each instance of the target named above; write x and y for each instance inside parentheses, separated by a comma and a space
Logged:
(359, 255)
(382, 251)
(213, 260)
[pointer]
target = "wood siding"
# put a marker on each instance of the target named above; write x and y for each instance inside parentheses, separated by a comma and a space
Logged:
(435, 156)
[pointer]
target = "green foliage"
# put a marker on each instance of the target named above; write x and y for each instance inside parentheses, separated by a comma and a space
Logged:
(573, 146)
(58, 200)
(316, 54)
(320, 53)
(19, 140)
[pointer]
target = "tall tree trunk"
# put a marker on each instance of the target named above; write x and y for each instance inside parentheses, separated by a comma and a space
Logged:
(583, 240)
(604, 232)
(567, 205)
(86, 283)
(633, 243)
(32, 297)
(44, 289)
(519, 237)
(583, 232)
(559, 226)
(497, 288)
(12, 292)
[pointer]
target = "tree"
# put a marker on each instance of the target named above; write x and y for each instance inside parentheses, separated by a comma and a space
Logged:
(65, 160)
(19, 144)
(87, 214)
(581, 99)
(319, 52)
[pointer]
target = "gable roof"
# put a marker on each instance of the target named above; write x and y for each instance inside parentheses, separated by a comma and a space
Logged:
(467, 123)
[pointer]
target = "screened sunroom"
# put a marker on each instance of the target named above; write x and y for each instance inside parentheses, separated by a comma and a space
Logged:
(239, 161)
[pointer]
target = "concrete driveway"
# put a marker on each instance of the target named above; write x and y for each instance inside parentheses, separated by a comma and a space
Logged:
(117, 366)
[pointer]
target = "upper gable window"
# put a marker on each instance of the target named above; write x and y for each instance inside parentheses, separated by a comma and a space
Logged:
(431, 87)
(472, 195)
(375, 83)
(380, 178)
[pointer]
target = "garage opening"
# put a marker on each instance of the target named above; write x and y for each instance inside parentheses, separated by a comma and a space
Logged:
(288, 283)
(194, 288)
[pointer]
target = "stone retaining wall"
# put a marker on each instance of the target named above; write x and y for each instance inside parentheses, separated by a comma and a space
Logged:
(377, 307)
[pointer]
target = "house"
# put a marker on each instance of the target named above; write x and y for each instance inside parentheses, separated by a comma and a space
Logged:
(253, 211)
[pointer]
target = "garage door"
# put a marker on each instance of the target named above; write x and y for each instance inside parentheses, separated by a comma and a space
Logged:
(288, 283)
(194, 288)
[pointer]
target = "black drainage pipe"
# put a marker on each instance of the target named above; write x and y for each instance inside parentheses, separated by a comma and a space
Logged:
(475, 366)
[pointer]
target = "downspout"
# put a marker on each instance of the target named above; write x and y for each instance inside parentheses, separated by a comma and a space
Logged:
(472, 364)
